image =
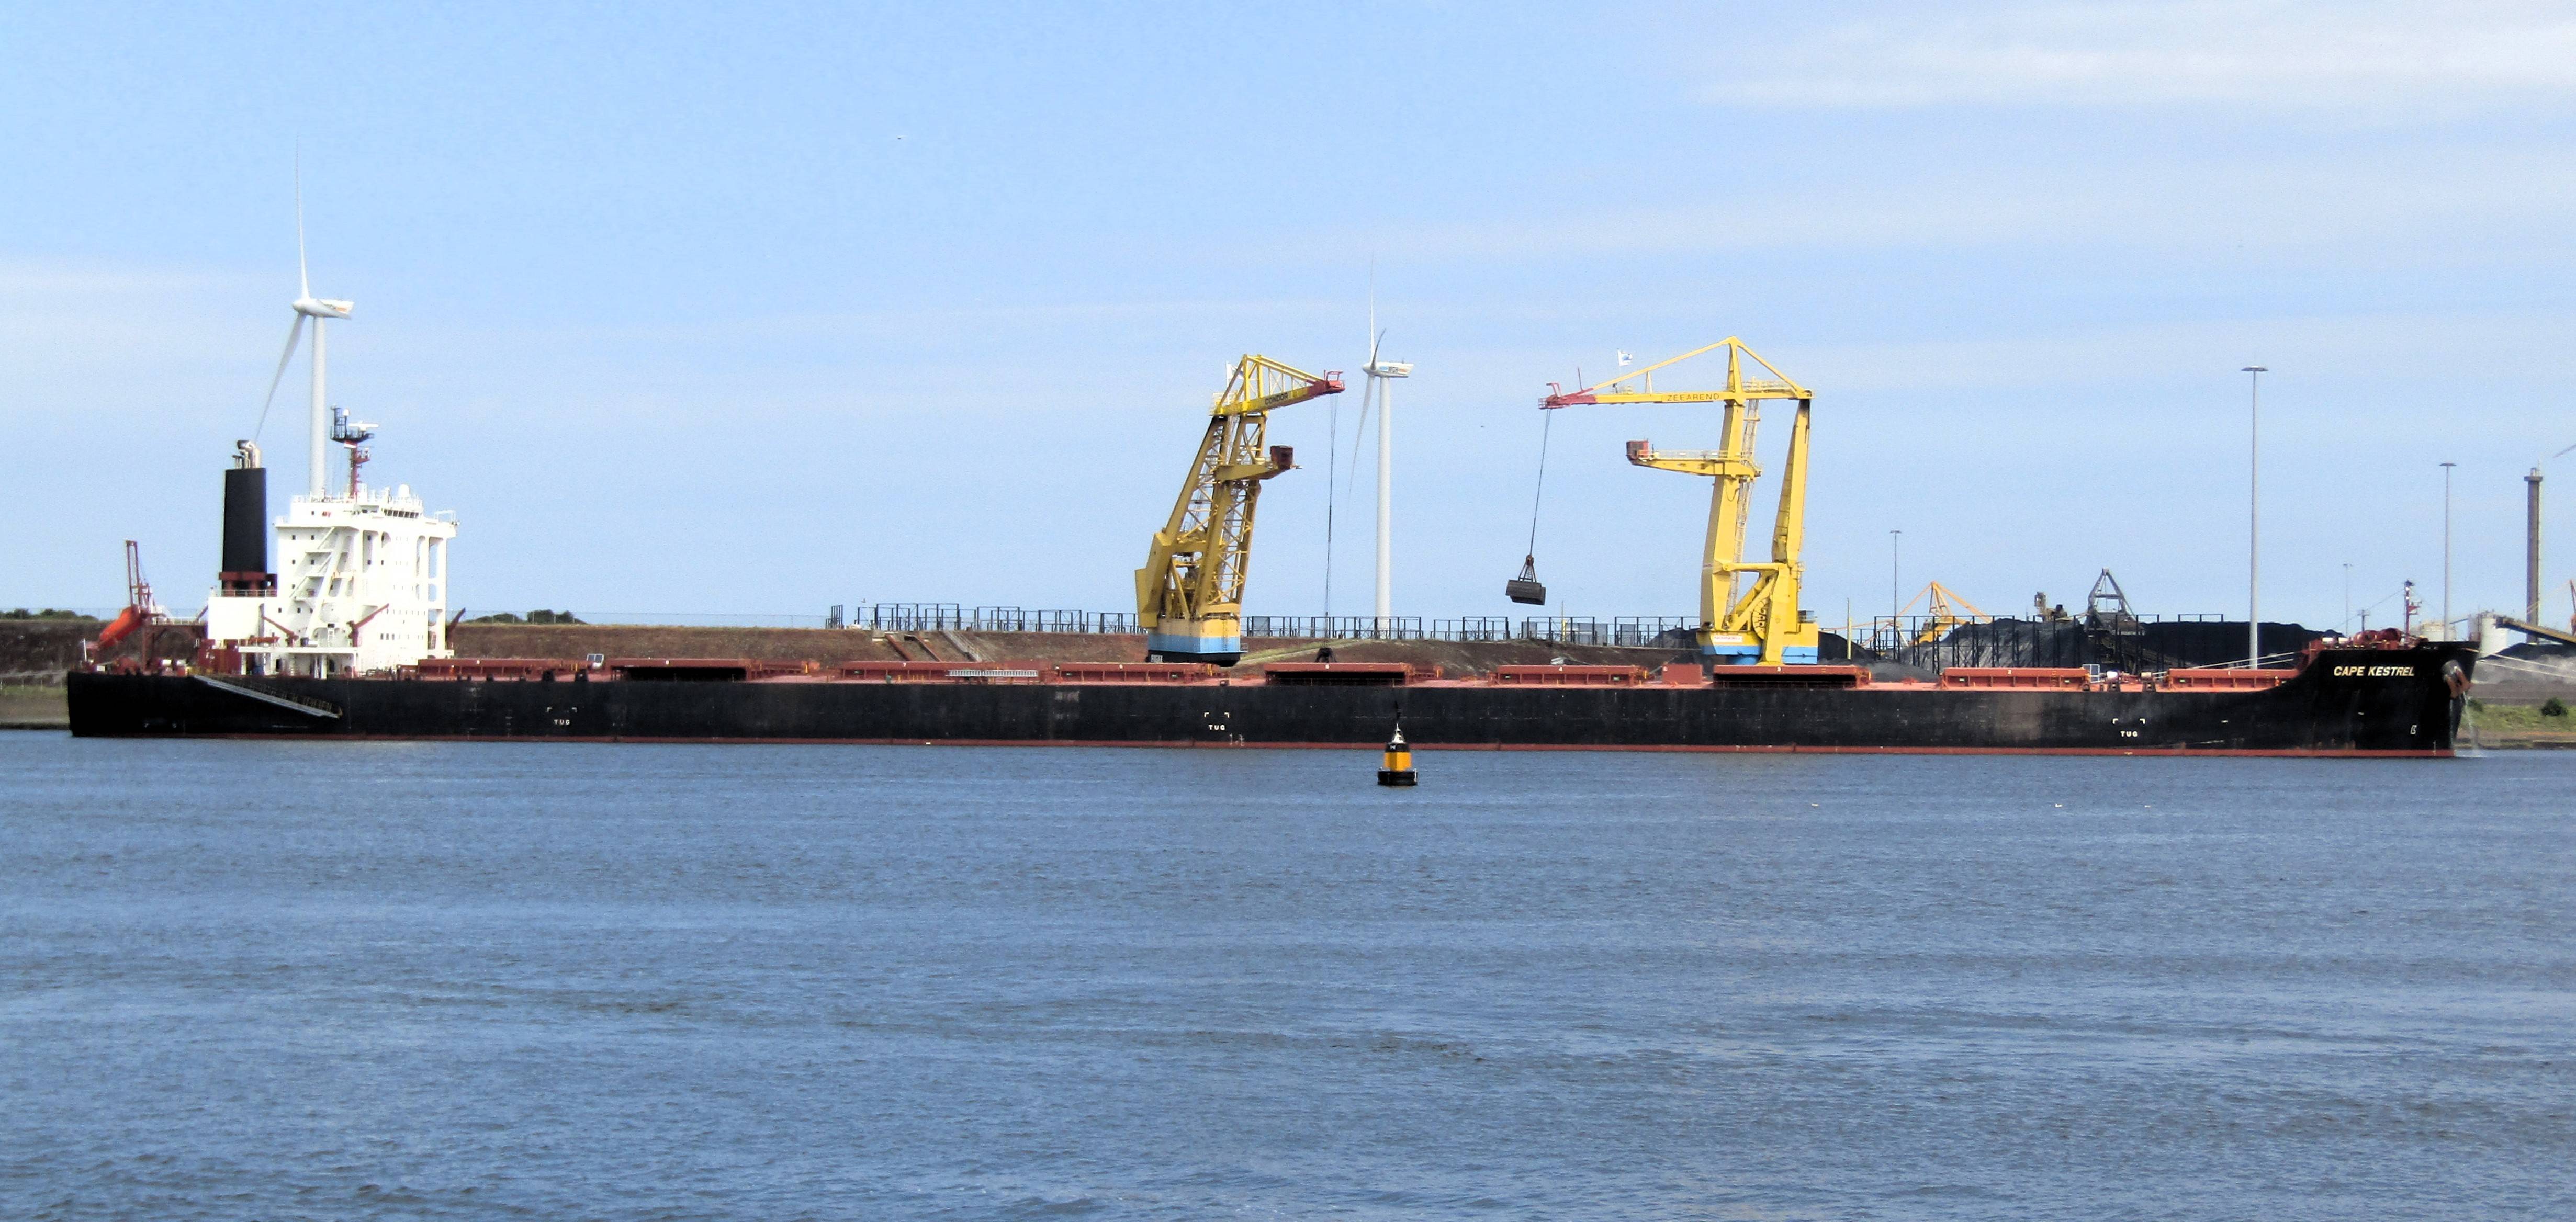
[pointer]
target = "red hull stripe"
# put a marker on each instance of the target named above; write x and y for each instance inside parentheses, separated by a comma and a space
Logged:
(2283, 753)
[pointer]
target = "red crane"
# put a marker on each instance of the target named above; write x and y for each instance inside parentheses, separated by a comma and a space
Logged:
(140, 611)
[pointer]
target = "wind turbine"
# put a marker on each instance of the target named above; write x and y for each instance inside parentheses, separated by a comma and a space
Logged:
(320, 310)
(1380, 375)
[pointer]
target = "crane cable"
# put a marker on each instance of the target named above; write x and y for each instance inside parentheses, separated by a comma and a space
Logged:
(1332, 464)
(1529, 563)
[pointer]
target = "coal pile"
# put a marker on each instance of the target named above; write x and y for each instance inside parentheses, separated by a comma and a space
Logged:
(2126, 644)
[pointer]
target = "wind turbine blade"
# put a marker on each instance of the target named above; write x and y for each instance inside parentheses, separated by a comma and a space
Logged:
(293, 334)
(303, 277)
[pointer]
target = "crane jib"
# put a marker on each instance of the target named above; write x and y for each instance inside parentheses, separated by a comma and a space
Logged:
(1189, 593)
(1749, 610)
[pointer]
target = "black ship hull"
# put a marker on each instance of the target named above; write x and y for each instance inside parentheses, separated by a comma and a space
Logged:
(2345, 702)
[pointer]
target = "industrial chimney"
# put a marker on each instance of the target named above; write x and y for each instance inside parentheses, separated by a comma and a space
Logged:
(245, 568)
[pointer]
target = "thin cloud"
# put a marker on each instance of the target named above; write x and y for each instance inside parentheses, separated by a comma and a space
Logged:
(2446, 204)
(2377, 58)
(55, 280)
(69, 320)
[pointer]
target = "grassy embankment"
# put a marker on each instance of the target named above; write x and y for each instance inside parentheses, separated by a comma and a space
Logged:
(2515, 725)
(32, 708)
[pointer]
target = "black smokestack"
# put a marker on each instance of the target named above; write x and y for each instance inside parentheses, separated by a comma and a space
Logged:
(245, 569)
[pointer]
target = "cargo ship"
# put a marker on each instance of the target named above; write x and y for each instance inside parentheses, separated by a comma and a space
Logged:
(348, 637)
(2392, 696)
(350, 641)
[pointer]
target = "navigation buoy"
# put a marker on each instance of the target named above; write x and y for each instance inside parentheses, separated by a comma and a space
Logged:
(1399, 761)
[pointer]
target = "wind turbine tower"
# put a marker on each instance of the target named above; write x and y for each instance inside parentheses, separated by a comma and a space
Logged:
(1381, 377)
(320, 310)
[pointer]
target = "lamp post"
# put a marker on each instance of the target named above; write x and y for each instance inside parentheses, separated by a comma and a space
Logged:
(2254, 515)
(1895, 609)
(2446, 549)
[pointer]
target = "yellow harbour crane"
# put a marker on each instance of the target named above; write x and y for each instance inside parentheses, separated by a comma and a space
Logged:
(1748, 610)
(1189, 595)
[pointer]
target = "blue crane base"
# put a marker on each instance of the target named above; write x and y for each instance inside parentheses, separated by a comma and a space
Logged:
(1220, 650)
(1747, 655)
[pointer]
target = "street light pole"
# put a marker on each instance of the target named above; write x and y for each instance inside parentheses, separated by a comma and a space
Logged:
(2254, 515)
(1895, 542)
(2446, 549)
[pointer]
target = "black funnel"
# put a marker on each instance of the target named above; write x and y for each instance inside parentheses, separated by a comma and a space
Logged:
(245, 567)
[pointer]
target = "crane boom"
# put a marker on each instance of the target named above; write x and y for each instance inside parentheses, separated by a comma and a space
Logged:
(1189, 594)
(141, 609)
(1748, 610)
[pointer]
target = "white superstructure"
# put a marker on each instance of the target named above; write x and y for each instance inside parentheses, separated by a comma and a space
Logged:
(361, 579)
(361, 588)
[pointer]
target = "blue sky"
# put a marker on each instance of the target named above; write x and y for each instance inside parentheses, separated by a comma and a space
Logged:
(760, 308)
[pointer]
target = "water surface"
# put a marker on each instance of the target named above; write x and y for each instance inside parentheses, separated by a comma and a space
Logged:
(308, 980)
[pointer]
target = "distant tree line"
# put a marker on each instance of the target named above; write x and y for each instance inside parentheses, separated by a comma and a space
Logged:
(533, 617)
(47, 613)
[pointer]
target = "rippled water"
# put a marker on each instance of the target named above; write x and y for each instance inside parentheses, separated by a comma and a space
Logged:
(279, 981)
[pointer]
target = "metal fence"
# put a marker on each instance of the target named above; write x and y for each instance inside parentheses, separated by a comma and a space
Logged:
(2133, 643)
(1936, 645)
(669, 619)
(2136, 644)
(1629, 630)
(1473, 628)
(1349, 627)
(957, 617)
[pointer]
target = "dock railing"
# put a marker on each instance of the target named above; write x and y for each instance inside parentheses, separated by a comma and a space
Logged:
(2136, 643)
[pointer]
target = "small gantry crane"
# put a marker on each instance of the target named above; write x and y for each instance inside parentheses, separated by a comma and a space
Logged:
(1748, 610)
(1189, 595)
(1943, 610)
